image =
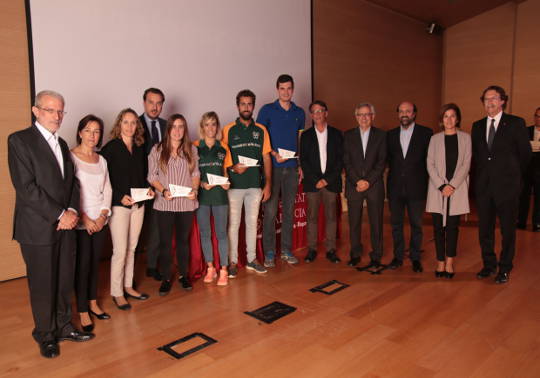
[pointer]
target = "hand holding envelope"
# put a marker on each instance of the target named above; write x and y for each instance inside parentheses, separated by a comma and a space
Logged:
(286, 154)
(179, 190)
(141, 194)
(216, 179)
(248, 162)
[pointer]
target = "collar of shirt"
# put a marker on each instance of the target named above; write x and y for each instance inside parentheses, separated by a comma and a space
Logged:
(321, 133)
(293, 106)
(497, 119)
(202, 144)
(240, 123)
(49, 137)
(149, 124)
(365, 134)
(408, 130)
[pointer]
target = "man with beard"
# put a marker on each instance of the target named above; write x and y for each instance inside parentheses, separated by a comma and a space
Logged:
(501, 154)
(246, 139)
(154, 131)
(407, 182)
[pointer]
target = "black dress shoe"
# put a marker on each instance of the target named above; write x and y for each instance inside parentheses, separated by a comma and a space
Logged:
(153, 272)
(88, 328)
(353, 261)
(49, 349)
(311, 256)
(417, 266)
(123, 307)
(395, 264)
(521, 226)
(331, 255)
(185, 284)
(536, 228)
(484, 273)
(141, 297)
(502, 278)
(440, 274)
(102, 316)
(76, 336)
(165, 287)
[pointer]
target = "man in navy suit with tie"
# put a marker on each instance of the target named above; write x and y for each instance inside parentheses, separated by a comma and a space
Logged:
(501, 153)
(46, 211)
(154, 132)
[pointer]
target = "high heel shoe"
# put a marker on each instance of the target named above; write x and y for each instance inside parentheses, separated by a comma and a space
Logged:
(440, 274)
(449, 275)
(102, 316)
(123, 307)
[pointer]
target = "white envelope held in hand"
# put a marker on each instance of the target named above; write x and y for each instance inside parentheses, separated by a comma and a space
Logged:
(140, 194)
(179, 190)
(286, 154)
(248, 162)
(216, 179)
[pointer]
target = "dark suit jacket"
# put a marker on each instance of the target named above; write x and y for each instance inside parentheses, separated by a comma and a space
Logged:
(408, 176)
(41, 192)
(148, 135)
(311, 163)
(534, 165)
(369, 168)
(500, 170)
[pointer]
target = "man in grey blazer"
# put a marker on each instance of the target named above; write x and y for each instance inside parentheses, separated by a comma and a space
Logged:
(46, 211)
(364, 160)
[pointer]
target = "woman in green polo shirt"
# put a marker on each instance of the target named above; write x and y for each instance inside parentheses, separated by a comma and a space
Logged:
(213, 198)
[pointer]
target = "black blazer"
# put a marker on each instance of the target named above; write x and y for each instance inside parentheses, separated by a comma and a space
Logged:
(148, 135)
(408, 176)
(500, 170)
(534, 165)
(42, 194)
(311, 163)
(369, 168)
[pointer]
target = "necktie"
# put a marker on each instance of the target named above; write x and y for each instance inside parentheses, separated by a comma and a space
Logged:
(154, 131)
(491, 134)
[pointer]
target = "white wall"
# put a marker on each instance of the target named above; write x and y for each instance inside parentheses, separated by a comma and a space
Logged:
(102, 54)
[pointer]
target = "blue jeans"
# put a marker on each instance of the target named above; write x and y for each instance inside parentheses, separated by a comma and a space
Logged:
(284, 179)
(220, 224)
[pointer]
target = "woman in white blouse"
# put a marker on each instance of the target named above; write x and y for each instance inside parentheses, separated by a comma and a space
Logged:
(174, 162)
(96, 194)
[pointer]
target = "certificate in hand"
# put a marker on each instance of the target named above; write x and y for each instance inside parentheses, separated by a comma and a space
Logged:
(248, 162)
(179, 190)
(216, 179)
(286, 154)
(140, 194)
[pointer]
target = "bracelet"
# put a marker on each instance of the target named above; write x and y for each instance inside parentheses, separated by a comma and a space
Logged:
(163, 191)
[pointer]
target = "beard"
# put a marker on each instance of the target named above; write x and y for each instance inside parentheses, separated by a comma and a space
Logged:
(246, 116)
(406, 121)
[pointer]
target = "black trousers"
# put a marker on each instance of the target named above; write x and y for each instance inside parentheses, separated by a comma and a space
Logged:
(50, 270)
(180, 222)
(488, 210)
(531, 183)
(375, 214)
(446, 237)
(87, 266)
(149, 236)
(415, 210)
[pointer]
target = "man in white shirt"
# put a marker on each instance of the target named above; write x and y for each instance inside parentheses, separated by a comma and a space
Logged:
(46, 212)
(501, 153)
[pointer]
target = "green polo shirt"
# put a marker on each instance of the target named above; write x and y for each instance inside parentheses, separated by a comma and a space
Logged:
(212, 160)
(251, 141)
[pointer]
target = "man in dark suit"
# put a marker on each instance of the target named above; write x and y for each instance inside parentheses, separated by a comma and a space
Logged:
(532, 180)
(154, 132)
(321, 159)
(407, 182)
(501, 153)
(46, 211)
(364, 161)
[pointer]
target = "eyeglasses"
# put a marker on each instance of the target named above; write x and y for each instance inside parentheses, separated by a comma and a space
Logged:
(52, 111)
(494, 98)
(364, 115)
(318, 111)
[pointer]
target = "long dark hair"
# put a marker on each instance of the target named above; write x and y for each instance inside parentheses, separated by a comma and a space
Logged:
(184, 149)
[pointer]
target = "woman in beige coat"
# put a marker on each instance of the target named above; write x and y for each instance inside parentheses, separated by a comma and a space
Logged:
(448, 163)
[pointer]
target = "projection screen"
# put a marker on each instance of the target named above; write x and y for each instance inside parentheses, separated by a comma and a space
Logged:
(102, 54)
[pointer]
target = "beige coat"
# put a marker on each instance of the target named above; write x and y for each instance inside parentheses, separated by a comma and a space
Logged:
(436, 166)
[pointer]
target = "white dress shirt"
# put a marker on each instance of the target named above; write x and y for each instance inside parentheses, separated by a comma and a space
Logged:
(364, 135)
(405, 135)
(322, 138)
(52, 140)
(497, 119)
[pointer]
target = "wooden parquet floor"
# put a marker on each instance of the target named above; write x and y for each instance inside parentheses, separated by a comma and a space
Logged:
(397, 324)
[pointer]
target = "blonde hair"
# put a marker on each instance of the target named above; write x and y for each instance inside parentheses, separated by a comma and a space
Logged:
(208, 116)
(116, 131)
